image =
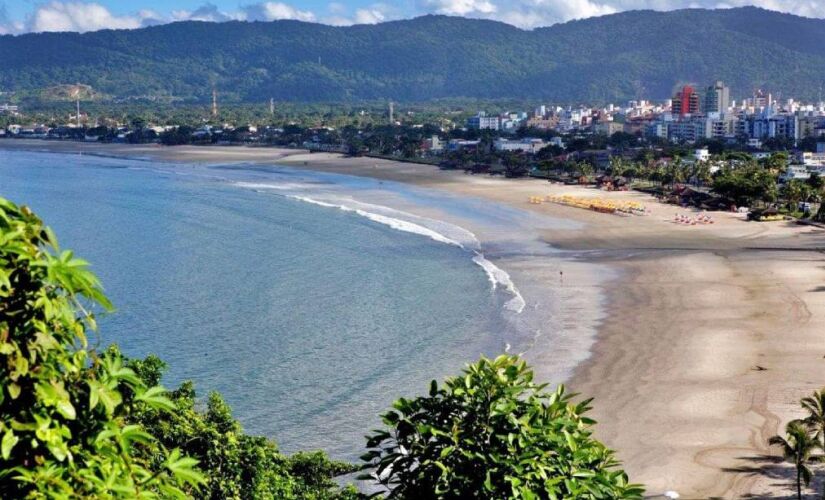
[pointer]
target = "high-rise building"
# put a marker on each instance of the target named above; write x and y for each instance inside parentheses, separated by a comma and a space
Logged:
(717, 98)
(761, 99)
(686, 101)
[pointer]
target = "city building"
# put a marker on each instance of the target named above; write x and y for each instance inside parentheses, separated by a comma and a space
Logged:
(685, 102)
(811, 126)
(543, 123)
(483, 122)
(800, 172)
(432, 145)
(771, 127)
(608, 128)
(462, 145)
(717, 98)
(816, 160)
(761, 100)
(557, 141)
(526, 145)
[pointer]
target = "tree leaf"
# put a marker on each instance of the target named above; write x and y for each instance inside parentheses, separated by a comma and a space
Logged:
(9, 440)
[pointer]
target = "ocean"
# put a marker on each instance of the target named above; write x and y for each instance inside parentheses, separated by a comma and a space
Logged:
(309, 301)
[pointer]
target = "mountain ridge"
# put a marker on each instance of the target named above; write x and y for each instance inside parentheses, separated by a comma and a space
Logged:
(632, 54)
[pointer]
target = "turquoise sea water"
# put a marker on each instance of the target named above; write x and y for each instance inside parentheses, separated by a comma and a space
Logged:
(308, 318)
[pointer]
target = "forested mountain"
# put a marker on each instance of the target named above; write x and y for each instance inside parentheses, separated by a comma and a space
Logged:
(627, 55)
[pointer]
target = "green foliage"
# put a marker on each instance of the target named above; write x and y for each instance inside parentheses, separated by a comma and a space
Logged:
(493, 433)
(746, 184)
(815, 406)
(797, 448)
(236, 465)
(64, 416)
(623, 56)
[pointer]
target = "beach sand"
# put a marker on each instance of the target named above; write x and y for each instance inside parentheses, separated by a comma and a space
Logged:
(711, 333)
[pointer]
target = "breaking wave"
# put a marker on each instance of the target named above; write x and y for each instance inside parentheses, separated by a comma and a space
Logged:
(497, 276)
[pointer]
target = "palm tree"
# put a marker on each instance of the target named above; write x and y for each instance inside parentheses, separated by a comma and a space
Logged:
(815, 406)
(617, 165)
(797, 447)
(585, 169)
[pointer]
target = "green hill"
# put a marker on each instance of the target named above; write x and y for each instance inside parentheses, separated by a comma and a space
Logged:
(628, 55)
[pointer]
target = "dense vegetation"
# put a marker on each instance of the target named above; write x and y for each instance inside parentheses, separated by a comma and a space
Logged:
(494, 433)
(79, 423)
(640, 54)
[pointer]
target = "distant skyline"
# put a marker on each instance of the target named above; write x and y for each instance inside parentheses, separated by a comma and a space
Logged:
(22, 16)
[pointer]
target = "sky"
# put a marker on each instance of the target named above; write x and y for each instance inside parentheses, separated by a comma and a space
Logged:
(23, 16)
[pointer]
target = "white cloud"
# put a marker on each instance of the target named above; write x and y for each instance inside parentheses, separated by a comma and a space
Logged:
(272, 11)
(369, 16)
(207, 12)
(375, 13)
(462, 7)
(78, 16)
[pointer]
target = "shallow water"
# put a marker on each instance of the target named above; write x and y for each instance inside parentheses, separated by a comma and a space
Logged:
(310, 318)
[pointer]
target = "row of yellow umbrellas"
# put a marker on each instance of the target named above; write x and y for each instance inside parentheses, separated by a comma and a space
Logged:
(598, 204)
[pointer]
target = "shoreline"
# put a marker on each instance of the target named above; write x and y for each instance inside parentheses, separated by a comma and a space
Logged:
(690, 318)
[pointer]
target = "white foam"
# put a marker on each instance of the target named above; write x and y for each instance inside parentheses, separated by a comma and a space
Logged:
(321, 203)
(408, 227)
(465, 238)
(281, 186)
(397, 224)
(499, 277)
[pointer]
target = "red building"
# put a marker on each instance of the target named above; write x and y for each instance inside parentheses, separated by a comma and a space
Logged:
(686, 101)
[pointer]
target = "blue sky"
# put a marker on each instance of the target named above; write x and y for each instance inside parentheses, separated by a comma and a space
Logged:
(21, 16)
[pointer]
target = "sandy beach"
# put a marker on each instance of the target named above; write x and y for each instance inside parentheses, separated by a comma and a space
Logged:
(711, 335)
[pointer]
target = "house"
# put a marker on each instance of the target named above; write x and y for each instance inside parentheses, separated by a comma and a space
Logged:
(432, 145)
(462, 145)
(811, 159)
(795, 172)
(526, 145)
(557, 141)
(701, 154)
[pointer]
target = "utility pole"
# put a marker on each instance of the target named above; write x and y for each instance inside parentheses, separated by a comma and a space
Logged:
(272, 106)
(214, 103)
(77, 104)
(392, 113)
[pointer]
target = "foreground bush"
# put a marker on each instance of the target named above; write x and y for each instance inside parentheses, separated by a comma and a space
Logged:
(493, 433)
(63, 421)
(76, 423)
(236, 465)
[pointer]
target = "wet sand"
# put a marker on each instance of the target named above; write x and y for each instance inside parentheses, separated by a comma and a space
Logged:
(712, 333)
